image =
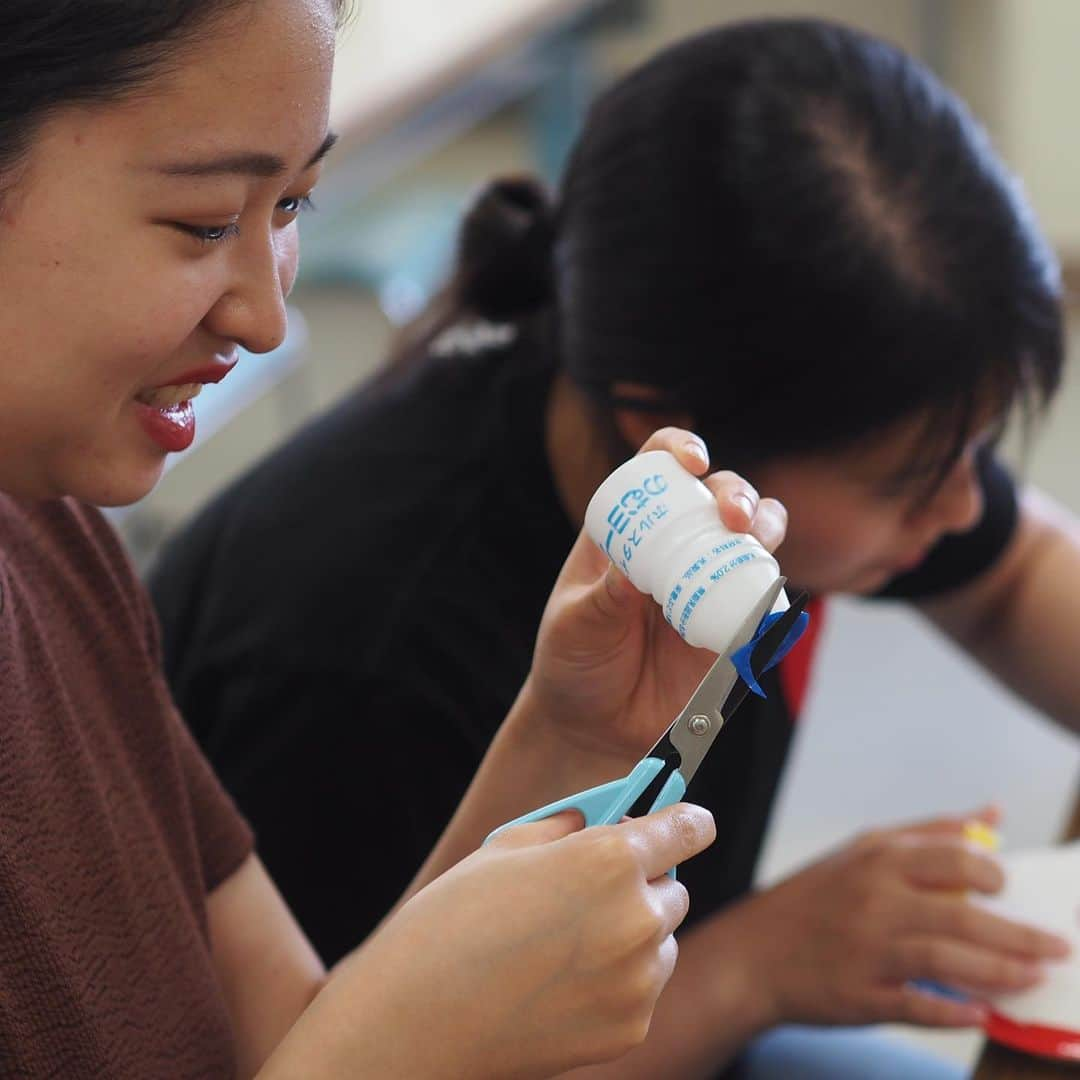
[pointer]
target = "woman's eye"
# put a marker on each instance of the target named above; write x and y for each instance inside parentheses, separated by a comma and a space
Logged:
(211, 234)
(219, 234)
(295, 204)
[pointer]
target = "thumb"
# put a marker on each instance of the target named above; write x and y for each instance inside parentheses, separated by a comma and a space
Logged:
(545, 831)
(614, 596)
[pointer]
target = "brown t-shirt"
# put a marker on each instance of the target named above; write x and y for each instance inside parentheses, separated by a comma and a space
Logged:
(113, 829)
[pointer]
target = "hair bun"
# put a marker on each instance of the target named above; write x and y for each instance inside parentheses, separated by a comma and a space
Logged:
(505, 260)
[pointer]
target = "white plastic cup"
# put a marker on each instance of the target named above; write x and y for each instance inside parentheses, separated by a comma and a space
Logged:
(661, 526)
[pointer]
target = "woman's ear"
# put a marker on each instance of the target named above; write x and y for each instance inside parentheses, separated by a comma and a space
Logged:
(636, 425)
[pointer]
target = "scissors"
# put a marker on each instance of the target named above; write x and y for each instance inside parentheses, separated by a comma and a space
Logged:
(661, 777)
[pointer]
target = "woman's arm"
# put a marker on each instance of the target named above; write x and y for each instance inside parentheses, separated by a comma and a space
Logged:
(588, 916)
(841, 942)
(608, 676)
(1022, 618)
(268, 971)
(546, 950)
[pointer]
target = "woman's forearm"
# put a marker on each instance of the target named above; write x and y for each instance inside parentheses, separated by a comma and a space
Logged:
(354, 1028)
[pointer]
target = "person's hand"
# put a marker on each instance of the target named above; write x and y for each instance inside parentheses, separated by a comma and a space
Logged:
(608, 672)
(543, 951)
(843, 941)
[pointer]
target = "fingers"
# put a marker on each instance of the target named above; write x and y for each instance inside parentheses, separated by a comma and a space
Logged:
(585, 563)
(948, 863)
(770, 524)
(964, 967)
(672, 903)
(946, 825)
(990, 814)
(959, 919)
(909, 1005)
(606, 606)
(736, 498)
(669, 837)
(601, 596)
(688, 449)
(743, 510)
(669, 956)
(539, 832)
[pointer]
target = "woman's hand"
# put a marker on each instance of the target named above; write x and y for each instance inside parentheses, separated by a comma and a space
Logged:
(543, 951)
(842, 941)
(608, 672)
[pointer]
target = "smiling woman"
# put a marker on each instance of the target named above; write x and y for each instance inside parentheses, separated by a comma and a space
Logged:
(154, 158)
(166, 244)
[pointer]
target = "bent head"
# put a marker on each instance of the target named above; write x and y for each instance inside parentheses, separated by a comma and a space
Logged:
(153, 160)
(862, 515)
(791, 237)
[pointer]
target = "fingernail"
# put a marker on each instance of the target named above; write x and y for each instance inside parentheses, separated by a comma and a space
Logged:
(1060, 947)
(744, 504)
(976, 1015)
(697, 450)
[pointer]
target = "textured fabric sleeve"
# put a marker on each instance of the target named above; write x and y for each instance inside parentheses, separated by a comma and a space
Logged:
(224, 839)
(960, 559)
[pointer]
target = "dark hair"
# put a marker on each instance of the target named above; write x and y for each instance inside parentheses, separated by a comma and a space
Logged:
(503, 267)
(56, 53)
(793, 232)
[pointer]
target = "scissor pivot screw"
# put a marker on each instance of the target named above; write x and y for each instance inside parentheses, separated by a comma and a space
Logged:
(700, 725)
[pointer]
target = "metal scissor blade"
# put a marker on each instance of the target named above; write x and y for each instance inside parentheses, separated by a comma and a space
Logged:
(678, 747)
(695, 728)
(722, 677)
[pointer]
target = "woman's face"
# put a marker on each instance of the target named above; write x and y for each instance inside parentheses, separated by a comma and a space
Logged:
(859, 517)
(142, 242)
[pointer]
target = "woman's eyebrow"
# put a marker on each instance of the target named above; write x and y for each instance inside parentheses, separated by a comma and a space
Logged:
(260, 165)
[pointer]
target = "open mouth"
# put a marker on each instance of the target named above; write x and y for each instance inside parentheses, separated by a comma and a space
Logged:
(167, 397)
(166, 413)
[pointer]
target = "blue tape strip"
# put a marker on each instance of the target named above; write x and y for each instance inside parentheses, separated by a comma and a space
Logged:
(741, 658)
(938, 990)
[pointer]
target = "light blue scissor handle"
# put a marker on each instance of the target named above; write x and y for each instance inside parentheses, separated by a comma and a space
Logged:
(608, 803)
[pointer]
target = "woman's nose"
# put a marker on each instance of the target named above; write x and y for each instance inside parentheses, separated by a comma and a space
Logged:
(252, 310)
(959, 504)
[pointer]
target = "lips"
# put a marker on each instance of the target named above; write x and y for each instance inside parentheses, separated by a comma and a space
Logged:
(165, 411)
(172, 428)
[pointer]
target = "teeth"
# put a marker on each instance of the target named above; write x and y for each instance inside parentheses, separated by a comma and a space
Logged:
(170, 395)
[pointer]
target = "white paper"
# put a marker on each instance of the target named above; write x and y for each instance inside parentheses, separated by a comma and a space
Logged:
(1043, 889)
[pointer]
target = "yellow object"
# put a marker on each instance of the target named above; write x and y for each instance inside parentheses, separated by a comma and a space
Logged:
(985, 836)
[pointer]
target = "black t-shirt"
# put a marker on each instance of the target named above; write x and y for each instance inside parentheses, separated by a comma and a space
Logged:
(347, 625)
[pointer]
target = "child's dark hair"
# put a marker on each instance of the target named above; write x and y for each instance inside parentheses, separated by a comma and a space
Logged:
(58, 53)
(792, 232)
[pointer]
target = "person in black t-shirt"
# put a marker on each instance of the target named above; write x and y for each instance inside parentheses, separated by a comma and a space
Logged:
(791, 238)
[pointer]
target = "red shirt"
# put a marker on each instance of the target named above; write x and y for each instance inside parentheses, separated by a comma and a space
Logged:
(797, 667)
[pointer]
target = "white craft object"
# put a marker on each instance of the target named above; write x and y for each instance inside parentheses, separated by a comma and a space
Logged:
(1043, 889)
(661, 527)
